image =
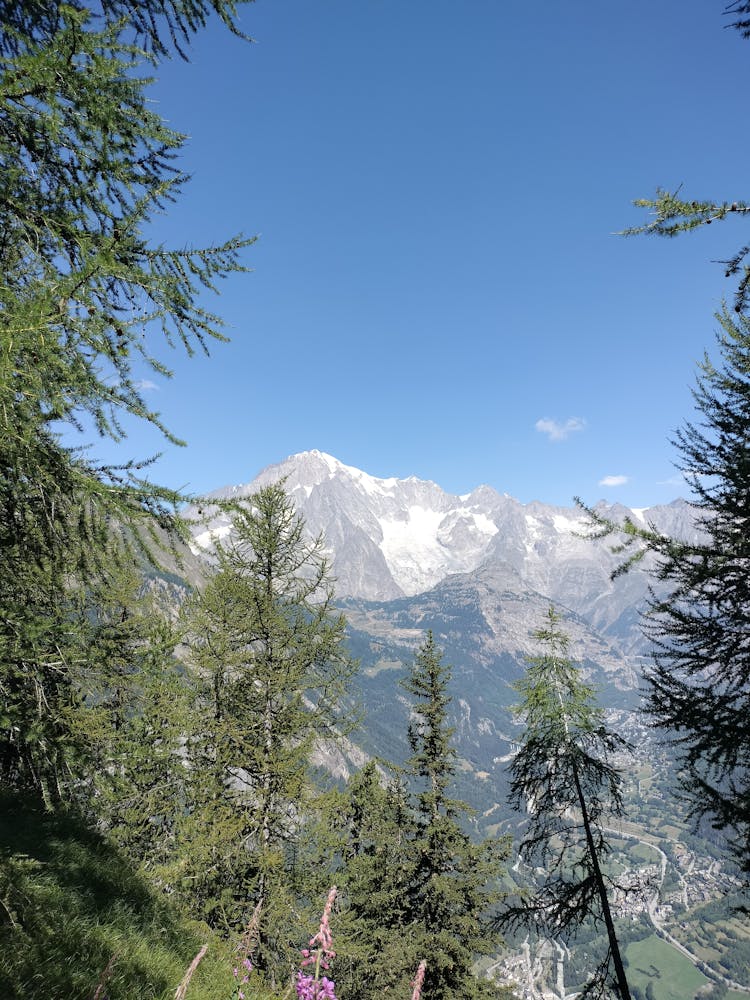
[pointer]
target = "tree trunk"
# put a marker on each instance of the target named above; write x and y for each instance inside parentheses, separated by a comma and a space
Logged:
(614, 947)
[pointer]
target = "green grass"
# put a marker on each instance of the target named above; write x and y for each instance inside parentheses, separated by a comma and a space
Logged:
(69, 903)
(674, 977)
(642, 852)
(381, 665)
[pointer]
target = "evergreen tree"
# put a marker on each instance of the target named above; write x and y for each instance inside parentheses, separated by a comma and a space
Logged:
(376, 949)
(699, 683)
(42, 640)
(673, 214)
(268, 653)
(562, 778)
(83, 293)
(133, 719)
(86, 162)
(454, 882)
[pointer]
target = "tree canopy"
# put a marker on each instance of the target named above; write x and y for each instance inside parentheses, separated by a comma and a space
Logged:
(699, 609)
(564, 780)
(699, 682)
(271, 669)
(85, 294)
(454, 882)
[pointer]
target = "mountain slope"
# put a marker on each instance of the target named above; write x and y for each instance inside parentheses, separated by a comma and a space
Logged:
(391, 538)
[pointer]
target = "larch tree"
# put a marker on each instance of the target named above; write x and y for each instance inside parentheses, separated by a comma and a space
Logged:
(562, 778)
(133, 718)
(271, 667)
(85, 296)
(674, 214)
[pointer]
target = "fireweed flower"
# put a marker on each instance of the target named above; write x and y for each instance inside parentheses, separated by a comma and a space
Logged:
(320, 952)
(241, 977)
(418, 981)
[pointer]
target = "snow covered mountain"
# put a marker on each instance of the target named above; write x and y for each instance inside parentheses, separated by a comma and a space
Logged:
(388, 537)
(392, 538)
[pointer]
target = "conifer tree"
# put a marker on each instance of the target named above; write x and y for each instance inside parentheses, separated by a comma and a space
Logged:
(454, 882)
(699, 681)
(674, 214)
(563, 779)
(133, 719)
(42, 638)
(699, 684)
(377, 950)
(269, 657)
(83, 294)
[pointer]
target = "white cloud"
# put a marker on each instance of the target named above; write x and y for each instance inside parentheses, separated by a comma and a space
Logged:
(557, 431)
(613, 481)
(146, 385)
(678, 480)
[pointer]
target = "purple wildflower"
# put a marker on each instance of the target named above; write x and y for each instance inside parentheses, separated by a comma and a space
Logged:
(326, 989)
(418, 981)
(305, 986)
(320, 952)
(309, 988)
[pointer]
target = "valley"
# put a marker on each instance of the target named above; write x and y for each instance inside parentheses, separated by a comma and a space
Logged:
(480, 571)
(674, 892)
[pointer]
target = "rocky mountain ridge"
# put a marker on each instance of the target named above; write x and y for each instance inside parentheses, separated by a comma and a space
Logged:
(393, 539)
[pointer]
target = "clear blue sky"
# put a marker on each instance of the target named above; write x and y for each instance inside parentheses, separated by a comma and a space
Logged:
(436, 187)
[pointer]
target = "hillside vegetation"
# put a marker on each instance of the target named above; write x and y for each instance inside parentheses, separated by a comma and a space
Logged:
(167, 826)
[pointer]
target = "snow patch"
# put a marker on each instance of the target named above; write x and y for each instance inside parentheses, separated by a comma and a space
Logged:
(414, 546)
(533, 526)
(567, 525)
(485, 525)
(411, 549)
(207, 538)
(370, 484)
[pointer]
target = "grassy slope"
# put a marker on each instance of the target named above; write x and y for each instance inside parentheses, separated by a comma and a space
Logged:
(673, 976)
(69, 903)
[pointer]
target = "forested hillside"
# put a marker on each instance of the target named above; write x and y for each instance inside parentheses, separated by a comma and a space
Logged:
(211, 784)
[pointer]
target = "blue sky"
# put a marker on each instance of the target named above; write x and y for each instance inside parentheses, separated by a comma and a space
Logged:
(437, 287)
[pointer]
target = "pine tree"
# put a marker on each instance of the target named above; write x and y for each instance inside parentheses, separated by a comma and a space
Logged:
(268, 653)
(563, 779)
(454, 882)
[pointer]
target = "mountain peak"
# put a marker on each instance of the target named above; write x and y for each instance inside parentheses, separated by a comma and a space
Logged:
(332, 463)
(400, 537)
